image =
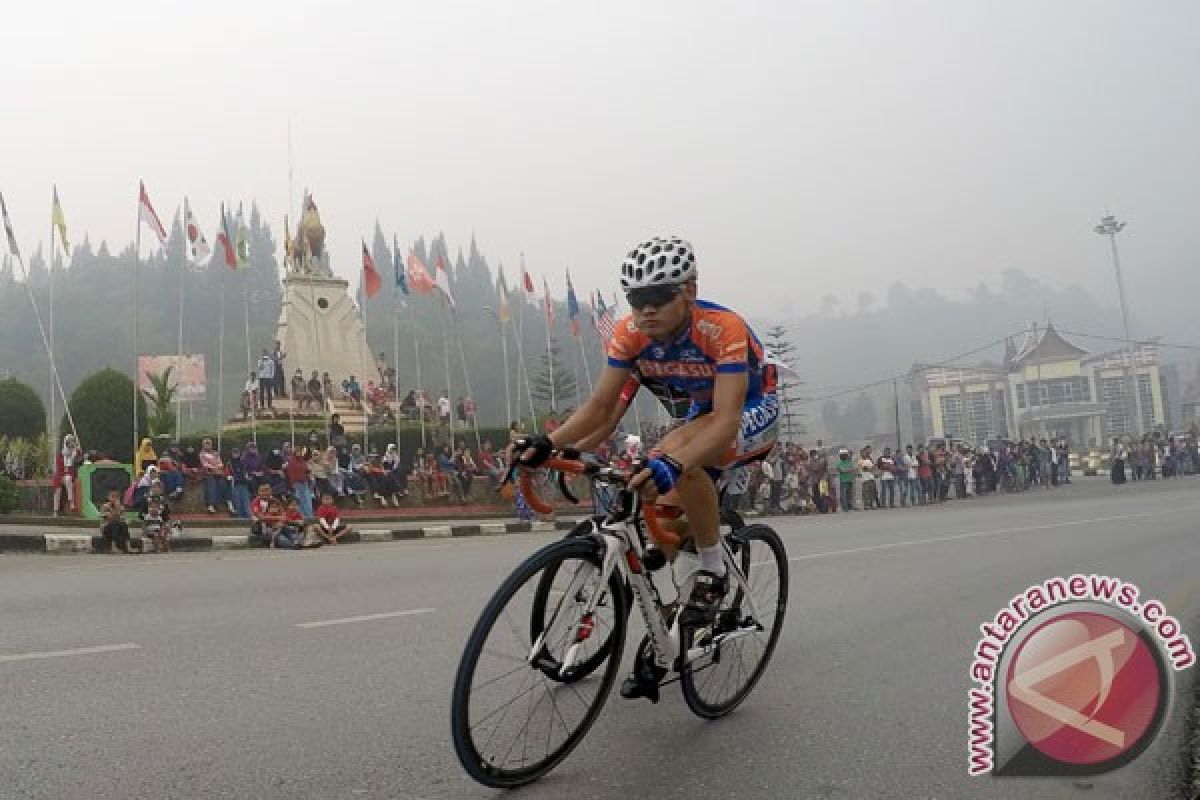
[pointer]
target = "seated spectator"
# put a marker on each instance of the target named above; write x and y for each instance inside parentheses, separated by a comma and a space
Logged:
(315, 391)
(274, 522)
(156, 519)
(329, 521)
(261, 521)
(170, 472)
(491, 464)
(216, 481)
(397, 473)
(465, 469)
(193, 471)
(353, 473)
(327, 473)
(252, 463)
(408, 406)
(300, 397)
(292, 537)
(240, 484)
(327, 386)
(145, 455)
(444, 464)
(115, 532)
(274, 471)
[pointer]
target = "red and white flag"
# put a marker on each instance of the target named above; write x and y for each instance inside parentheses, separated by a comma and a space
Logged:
(443, 281)
(418, 275)
(149, 216)
(549, 302)
(197, 245)
(225, 240)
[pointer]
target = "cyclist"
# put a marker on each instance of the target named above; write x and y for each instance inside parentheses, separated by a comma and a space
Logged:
(699, 349)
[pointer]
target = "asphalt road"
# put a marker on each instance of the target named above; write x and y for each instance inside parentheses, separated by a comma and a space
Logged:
(207, 686)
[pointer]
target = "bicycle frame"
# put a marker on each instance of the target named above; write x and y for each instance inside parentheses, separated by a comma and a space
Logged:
(623, 551)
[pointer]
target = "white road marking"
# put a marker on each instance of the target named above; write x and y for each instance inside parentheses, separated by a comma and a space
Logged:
(81, 651)
(981, 534)
(366, 618)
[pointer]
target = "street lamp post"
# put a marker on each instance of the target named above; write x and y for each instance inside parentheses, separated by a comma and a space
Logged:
(1110, 227)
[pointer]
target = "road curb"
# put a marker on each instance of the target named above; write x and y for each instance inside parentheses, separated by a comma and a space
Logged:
(84, 543)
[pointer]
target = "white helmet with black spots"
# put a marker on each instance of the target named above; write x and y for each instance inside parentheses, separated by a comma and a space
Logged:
(658, 262)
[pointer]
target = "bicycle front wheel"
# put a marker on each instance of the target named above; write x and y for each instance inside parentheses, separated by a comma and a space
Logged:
(511, 723)
(741, 641)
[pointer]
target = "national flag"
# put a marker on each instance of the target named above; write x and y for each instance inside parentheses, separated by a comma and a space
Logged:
(398, 265)
(12, 240)
(606, 318)
(242, 243)
(225, 240)
(443, 281)
(148, 215)
(502, 292)
(419, 279)
(59, 222)
(197, 244)
(549, 302)
(529, 290)
(572, 307)
(372, 282)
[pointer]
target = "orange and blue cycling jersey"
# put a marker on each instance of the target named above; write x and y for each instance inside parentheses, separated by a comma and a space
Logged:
(717, 341)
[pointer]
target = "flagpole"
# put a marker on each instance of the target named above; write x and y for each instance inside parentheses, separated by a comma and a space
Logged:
(446, 361)
(420, 391)
(396, 361)
(221, 365)
(52, 426)
(521, 368)
(179, 356)
(363, 380)
(467, 380)
(249, 363)
(550, 357)
(137, 259)
(508, 417)
(587, 370)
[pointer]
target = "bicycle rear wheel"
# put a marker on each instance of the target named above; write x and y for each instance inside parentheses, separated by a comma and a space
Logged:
(717, 682)
(511, 723)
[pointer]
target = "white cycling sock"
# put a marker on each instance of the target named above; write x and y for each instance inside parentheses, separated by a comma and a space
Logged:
(712, 559)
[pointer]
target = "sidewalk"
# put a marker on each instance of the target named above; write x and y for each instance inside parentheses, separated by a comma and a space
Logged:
(75, 539)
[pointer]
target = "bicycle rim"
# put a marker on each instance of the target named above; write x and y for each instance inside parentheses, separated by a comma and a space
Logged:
(512, 724)
(556, 585)
(716, 683)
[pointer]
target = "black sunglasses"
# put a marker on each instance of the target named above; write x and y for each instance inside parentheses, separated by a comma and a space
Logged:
(651, 296)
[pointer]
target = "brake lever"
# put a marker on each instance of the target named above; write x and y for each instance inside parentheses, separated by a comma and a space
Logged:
(566, 492)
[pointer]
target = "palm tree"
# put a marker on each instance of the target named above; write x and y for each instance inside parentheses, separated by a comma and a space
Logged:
(161, 394)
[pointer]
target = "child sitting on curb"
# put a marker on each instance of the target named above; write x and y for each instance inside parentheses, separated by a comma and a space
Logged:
(259, 509)
(329, 520)
(155, 520)
(115, 532)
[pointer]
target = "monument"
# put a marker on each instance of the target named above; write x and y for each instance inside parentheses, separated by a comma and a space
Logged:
(320, 327)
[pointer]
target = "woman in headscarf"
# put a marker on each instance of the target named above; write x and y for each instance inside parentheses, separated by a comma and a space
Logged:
(356, 482)
(145, 455)
(329, 473)
(66, 467)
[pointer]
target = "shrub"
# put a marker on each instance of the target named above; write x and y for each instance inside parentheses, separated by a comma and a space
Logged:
(102, 409)
(8, 494)
(22, 415)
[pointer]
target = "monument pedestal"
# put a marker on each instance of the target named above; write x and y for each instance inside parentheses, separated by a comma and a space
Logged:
(320, 329)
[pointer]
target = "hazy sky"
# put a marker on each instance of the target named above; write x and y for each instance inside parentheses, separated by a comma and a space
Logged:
(804, 148)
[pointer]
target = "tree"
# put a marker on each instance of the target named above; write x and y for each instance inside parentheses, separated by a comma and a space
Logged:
(102, 414)
(792, 414)
(564, 381)
(22, 415)
(162, 394)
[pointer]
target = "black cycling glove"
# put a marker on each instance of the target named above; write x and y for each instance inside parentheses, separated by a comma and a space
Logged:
(532, 451)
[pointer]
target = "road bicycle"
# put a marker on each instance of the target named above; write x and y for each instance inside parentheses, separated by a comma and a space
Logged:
(541, 661)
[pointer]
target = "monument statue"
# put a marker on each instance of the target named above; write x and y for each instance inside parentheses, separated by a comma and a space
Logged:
(320, 327)
(308, 256)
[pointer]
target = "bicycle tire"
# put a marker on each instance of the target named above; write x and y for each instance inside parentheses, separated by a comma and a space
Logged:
(692, 680)
(478, 765)
(550, 666)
